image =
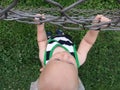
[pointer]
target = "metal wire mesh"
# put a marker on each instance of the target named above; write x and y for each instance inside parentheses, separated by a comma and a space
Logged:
(69, 18)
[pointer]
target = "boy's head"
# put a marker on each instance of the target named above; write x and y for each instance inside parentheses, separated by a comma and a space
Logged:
(59, 75)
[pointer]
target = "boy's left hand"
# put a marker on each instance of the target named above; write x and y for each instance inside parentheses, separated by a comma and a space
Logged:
(101, 19)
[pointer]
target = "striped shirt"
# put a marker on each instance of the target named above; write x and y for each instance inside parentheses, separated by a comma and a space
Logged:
(61, 41)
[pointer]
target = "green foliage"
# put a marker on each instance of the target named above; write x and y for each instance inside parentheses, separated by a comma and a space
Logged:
(19, 62)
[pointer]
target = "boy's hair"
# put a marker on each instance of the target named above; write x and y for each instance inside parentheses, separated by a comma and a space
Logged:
(58, 76)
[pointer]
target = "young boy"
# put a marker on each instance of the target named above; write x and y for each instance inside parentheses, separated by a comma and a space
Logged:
(60, 59)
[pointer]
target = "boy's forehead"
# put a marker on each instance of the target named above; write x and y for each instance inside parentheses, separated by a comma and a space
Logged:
(58, 71)
(57, 66)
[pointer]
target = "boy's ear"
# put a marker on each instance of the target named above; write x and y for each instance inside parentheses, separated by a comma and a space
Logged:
(41, 69)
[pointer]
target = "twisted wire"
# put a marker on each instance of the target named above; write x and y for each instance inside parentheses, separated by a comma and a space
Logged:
(64, 17)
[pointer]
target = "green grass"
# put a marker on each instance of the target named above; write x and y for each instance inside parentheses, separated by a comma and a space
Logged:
(19, 62)
(102, 66)
(94, 4)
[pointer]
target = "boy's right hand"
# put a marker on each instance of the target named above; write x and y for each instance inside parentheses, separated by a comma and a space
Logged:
(37, 20)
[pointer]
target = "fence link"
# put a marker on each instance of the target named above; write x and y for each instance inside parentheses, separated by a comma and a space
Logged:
(69, 18)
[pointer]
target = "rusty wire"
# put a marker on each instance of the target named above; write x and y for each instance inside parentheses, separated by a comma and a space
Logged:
(64, 17)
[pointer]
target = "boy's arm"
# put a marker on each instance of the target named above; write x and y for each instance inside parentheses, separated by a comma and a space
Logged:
(41, 39)
(89, 39)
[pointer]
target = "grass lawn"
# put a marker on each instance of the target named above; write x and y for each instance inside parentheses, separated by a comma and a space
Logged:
(19, 62)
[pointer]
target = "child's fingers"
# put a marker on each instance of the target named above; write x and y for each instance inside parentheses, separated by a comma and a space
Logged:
(101, 18)
(105, 19)
(97, 19)
(37, 15)
(43, 16)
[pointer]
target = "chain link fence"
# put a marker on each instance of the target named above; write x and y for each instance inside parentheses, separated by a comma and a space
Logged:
(69, 17)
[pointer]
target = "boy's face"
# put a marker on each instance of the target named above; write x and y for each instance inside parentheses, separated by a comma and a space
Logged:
(59, 75)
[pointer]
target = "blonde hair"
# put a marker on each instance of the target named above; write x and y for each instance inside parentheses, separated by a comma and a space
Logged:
(58, 76)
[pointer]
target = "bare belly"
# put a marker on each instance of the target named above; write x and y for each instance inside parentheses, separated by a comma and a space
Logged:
(58, 49)
(62, 54)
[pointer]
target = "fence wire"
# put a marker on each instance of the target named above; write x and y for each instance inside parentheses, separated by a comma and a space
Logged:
(70, 18)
